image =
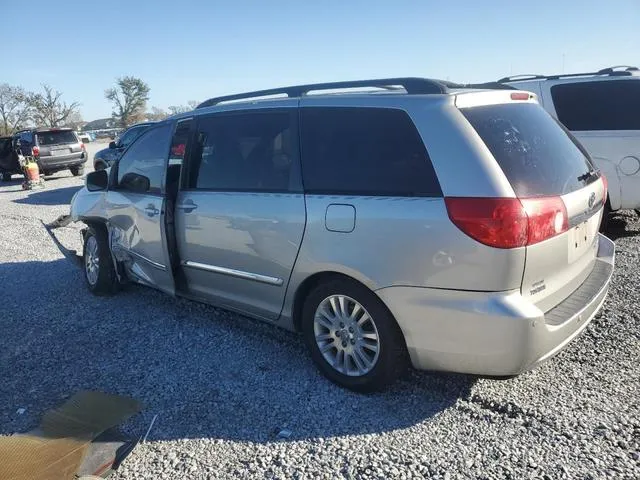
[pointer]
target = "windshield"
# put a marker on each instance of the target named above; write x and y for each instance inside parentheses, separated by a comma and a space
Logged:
(536, 154)
(56, 137)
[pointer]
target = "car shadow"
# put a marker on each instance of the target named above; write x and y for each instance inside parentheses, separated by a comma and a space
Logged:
(59, 196)
(205, 372)
(618, 226)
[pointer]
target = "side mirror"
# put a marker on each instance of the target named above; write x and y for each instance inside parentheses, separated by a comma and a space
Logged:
(112, 145)
(98, 180)
(134, 182)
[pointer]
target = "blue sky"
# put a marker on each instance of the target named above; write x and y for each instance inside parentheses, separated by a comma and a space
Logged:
(192, 50)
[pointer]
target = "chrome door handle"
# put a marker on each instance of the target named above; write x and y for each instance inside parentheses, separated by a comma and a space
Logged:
(151, 210)
(187, 207)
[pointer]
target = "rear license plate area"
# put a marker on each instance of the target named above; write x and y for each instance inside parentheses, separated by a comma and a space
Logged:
(582, 237)
(60, 151)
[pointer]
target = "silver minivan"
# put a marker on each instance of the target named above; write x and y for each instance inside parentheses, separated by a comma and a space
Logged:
(390, 221)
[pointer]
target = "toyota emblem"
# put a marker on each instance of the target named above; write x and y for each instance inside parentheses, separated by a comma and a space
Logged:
(592, 199)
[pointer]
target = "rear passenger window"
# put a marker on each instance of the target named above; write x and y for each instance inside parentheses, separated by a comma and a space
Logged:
(594, 106)
(364, 151)
(249, 151)
(147, 156)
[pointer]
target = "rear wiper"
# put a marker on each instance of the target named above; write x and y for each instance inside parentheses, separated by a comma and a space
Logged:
(590, 174)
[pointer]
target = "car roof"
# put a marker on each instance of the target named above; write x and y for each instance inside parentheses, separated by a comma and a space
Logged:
(398, 85)
(382, 86)
(610, 72)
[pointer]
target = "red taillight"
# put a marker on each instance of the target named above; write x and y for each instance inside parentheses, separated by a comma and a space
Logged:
(497, 222)
(508, 222)
(35, 151)
(605, 182)
(82, 146)
(547, 218)
(519, 96)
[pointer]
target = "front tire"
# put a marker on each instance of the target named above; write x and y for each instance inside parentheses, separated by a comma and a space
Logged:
(353, 338)
(99, 272)
(77, 171)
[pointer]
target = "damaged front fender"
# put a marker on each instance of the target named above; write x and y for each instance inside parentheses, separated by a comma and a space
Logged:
(85, 206)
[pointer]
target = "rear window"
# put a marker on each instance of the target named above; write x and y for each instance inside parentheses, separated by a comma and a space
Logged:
(537, 155)
(5, 146)
(364, 151)
(56, 137)
(595, 106)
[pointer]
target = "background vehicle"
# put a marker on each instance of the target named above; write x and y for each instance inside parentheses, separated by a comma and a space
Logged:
(85, 137)
(9, 164)
(454, 227)
(602, 109)
(54, 149)
(104, 158)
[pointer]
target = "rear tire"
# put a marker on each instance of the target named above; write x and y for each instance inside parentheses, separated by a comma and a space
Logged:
(77, 171)
(359, 354)
(99, 272)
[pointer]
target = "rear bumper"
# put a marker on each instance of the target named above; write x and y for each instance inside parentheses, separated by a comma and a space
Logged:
(494, 333)
(62, 161)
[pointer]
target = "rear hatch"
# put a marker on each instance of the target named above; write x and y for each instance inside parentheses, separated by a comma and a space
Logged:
(559, 188)
(58, 143)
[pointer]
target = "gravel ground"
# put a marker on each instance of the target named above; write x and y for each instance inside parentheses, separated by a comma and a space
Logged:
(224, 386)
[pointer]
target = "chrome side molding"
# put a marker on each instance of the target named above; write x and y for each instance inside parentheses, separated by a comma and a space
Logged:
(234, 273)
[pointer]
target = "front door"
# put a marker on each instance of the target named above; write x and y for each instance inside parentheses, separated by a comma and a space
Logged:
(240, 215)
(137, 207)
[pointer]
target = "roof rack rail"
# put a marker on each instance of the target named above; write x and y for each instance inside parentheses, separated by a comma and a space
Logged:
(412, 85)
(627, 68)
(526, 76)
(488, 86)
(611, 71)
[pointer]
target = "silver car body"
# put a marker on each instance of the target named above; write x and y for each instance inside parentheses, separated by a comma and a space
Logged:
(461, 305)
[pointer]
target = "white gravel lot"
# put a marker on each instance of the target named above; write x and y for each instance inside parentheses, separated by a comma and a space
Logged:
(223, 386)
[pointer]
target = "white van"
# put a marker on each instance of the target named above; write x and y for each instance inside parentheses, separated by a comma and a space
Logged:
(601, 109)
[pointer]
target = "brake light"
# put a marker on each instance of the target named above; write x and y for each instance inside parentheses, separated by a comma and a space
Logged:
(547, 218)
(519, 96)
(508, 222)
(35, 151)
(497, 222)
(82, 147)
(605, 182)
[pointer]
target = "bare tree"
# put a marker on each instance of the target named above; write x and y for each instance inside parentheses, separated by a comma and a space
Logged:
(48, 108)
(15, 109)
(157, 114)
(191, 105)
(75, 121)
(129, 97)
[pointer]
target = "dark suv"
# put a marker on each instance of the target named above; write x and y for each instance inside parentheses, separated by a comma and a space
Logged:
(105, 157)
(8, 159)
(55, 149)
